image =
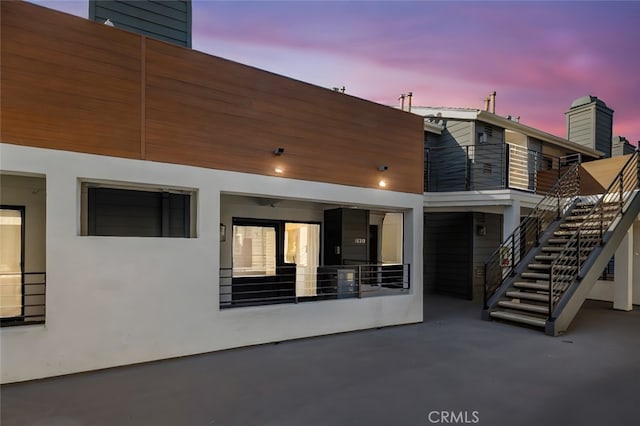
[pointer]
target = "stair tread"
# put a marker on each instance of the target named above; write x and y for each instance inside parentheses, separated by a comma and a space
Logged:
(564, 232)
(556, 249)
(535, 275)
(594, 216)
(532, 285)
(543, 266)
(543, 257)
(525, 319)
(524, 306)
(528, 295)
(558, 240)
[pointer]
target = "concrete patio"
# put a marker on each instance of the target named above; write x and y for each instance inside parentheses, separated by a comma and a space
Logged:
(453, 362)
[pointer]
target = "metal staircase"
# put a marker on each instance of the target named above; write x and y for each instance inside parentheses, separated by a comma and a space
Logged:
(543, 272)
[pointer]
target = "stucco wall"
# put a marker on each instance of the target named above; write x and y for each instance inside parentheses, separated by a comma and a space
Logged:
(114, 300)
(603, 290)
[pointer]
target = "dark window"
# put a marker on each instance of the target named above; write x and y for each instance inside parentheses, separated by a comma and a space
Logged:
(135, 213)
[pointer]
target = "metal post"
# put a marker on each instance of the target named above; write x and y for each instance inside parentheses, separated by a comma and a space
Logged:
(601, 221)
(551, 273)
(578, 255)
(427, 183)
(506, 169)
(622, 192)
(513, 251)
(467, 179)
(637, 154)
(485, 287)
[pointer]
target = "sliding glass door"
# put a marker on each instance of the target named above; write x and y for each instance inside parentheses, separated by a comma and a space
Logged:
(302, 248)
(11, 261)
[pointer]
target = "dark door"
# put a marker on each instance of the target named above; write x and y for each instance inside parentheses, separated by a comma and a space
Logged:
(373, 244)
(448, 254)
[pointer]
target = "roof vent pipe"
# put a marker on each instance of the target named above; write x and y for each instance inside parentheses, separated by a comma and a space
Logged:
(493, 102)
(410, 95)
(401, 99)
(487, 100)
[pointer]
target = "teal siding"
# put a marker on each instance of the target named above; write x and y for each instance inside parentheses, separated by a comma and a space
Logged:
(168, 21)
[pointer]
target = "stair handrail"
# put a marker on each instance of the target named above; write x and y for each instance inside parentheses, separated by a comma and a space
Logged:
(506, 257)
(565, 269)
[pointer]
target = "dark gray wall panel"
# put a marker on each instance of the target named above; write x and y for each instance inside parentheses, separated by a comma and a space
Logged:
(163, 20)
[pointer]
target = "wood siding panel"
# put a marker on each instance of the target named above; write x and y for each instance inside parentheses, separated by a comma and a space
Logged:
(68, 83)
(210, 112)
(77, 85)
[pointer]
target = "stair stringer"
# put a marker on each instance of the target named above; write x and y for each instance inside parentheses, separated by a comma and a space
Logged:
(522, 266)
(573, 299)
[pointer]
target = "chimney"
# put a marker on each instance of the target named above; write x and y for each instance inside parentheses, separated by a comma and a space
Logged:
(148, 18)
(493, 102)
(590, 123)
(410, 95)
(401, 98)
(487, 102)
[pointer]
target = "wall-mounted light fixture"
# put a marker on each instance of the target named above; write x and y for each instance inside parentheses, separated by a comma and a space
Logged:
(278, 151)
(382, 168)
(279, 170)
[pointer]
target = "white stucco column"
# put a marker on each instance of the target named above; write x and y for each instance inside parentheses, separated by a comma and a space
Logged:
(623, 284)
(511, 220)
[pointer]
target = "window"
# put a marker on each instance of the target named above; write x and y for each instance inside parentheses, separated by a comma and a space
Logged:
(254, 251)
(137, 213)
(11, 261)
(273, 261)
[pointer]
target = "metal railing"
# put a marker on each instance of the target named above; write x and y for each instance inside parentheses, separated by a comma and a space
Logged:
(293, 284)
(508, 255)
(487, 167)
(22, 298)
(600, 219)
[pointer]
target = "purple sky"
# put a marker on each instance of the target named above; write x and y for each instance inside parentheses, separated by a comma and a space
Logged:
(538, 56)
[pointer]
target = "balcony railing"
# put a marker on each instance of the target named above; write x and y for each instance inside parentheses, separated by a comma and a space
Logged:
(490, 166)
(22, 298)
(293, 284)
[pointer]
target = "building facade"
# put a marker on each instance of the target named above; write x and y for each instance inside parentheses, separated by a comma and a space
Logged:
(161, 202)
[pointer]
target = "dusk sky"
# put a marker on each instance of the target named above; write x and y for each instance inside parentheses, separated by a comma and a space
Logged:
(538, 56)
